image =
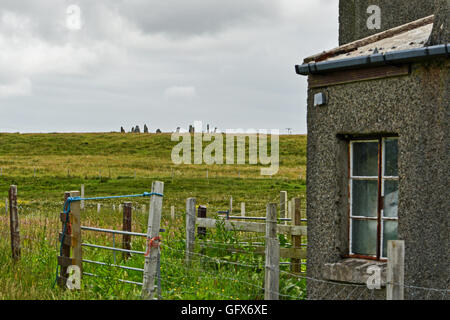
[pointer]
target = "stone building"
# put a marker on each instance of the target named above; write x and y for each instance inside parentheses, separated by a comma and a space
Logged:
(378, 151)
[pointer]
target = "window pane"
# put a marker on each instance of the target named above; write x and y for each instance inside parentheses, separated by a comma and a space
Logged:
(365, 159)
(391, 157)
(390, 198)
(364, 237)
(364, 198)
(390, 232)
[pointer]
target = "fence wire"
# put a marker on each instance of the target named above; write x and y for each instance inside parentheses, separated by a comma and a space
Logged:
(318, 289)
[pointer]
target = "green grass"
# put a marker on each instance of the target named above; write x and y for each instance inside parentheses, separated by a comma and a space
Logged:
(43, 166)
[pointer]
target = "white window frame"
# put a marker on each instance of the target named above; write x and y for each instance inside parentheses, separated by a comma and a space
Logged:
(380, 213)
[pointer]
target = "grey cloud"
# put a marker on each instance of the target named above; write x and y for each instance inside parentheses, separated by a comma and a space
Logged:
(174, 18)
(181, 17)
(47, 17)
(228, 63)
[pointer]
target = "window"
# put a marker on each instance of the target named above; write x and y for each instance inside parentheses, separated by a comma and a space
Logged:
(373, 186)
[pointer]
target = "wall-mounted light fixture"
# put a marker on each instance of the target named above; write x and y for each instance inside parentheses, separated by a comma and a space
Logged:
(320, 99)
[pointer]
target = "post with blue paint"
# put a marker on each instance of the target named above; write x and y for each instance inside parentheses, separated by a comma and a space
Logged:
(65, 237)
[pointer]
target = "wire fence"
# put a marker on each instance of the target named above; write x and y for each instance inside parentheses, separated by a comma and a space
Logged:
(245, 276)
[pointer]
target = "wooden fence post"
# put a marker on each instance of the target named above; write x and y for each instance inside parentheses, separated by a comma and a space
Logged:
(14, 223)
(296, 240)
(243, 209)
(82, 195)
(289, 211)
(75, 220)
(395, 270)
(98, 207)
(283, 205)
(172, 213)
(272, 252)
(201, 213)
(126, 226)
(271, 221)
(149, 290)
(190, 228)
(231, 206)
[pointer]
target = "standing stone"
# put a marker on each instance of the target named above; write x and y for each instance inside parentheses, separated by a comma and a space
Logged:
(122, 130)
(137, 130)
(158, 131)
(145, 128)
(191, 129)
(178, 129)
(207, 128)
(132, 130)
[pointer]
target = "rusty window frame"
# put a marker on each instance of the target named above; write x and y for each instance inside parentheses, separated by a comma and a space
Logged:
(381, 178)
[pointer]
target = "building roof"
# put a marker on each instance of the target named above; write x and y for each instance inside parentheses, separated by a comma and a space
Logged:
(409, 36)
(415, 38)
(402, 44)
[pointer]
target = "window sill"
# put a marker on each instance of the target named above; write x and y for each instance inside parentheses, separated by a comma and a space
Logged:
(353, 271)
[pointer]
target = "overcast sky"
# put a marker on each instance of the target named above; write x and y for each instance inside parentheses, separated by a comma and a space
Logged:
(166, 63)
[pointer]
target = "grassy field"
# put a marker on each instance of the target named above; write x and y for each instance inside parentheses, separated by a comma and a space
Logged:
(43, 166)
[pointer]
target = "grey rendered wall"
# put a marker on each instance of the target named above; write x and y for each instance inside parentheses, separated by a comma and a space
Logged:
(416, 107)
(353, 15)
(441, 28)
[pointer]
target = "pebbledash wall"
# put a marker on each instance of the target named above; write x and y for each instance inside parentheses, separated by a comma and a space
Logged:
(416, 108)
(441, 29)
(353, 15)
